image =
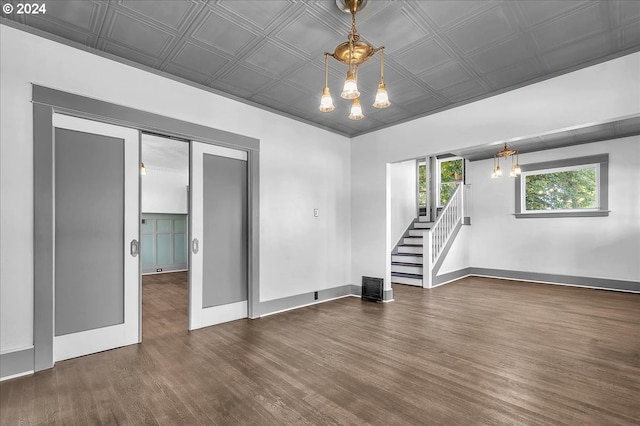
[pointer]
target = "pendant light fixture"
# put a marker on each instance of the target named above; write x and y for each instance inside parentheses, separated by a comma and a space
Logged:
(382, 97)
(353, 53)
(326, 102)
(515, 165)
(356, 110)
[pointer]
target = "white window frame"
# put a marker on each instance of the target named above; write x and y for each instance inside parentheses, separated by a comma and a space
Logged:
(599, 162)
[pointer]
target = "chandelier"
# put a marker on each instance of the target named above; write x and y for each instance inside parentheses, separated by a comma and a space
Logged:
(515, 166)
(352, 53)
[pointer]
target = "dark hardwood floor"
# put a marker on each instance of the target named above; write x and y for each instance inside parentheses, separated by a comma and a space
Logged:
(477, 351)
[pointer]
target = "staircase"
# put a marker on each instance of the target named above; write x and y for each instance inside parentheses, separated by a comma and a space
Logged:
(406, 263)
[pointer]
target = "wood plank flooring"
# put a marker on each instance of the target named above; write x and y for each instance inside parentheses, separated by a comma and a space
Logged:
(477, 351)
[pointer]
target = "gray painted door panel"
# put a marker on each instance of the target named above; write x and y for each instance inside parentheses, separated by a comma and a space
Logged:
(89, 231)
(225, 231)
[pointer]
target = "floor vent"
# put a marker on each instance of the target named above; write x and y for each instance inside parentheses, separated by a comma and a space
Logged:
(372, 289)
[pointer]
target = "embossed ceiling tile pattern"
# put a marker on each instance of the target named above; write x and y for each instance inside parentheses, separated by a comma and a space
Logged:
(392, 28)
(221, 34)
(130, 54)
(569, 28)
(464, 91)
(425, 105)
(186, 74)
(274, 58)
(423, 56)
(535, 12)
(138, 35)
(310, 35)
(485, 28)
(166, 12)
(369, 76)
(630, 35)
(444, 13)
(582, 51)
(514, 74)
(282, 93)
(244, 79)
(311, 76)
(445, 76)
(199, 60)
(438, 53)
(389, 115)
(75, 13)
(260, 13)
(405, 90)
(60, 29)
(628, 11)
(501, 55)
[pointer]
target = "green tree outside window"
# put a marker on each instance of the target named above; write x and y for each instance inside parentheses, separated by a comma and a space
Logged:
(422, 184)
(565, 190)
(451, 175)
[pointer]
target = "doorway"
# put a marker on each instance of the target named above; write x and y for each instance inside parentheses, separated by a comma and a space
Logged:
(164, 234)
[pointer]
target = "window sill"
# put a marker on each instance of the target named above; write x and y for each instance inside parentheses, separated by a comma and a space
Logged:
(592, 213)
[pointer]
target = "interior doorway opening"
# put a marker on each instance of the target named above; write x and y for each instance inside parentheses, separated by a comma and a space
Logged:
(164, 234)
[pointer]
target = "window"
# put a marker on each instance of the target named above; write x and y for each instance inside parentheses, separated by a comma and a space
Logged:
(451, 174)
(422, 184)
(564, 188)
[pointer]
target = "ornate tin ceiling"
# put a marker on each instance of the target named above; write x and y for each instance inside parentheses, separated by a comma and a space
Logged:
(438, 54)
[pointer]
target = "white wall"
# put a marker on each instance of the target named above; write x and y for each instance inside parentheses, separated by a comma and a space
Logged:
(599, 247)
(595, 94)
(402, 197)
(302, 168)
(458, 257)
(165, 191)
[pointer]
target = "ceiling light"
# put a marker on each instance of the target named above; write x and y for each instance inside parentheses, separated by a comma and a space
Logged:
(326, 102)
(353, 53)
(382, 97)
(350, 89)
(515, 166)
(356, 110)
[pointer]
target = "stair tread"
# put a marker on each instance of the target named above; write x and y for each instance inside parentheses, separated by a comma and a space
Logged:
(409, 245)
(406, 275)
(407, 254)
(417, 265)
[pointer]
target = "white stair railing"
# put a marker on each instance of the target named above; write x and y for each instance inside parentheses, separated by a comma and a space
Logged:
(436, 239)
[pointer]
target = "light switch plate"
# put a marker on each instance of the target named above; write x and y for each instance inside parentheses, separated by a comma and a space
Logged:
(315, 213)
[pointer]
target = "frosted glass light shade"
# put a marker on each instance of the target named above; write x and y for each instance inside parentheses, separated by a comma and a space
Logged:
(326, 102)
(382, 97)
(350, 89)
(356, 110)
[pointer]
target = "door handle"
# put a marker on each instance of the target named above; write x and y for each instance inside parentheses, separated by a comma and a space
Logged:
(135, 248)
(195, 246)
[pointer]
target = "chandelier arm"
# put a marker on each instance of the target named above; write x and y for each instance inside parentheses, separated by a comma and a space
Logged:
(326, 70)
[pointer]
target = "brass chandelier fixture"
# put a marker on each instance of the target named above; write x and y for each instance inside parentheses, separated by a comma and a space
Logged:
(353, 53)
(515, 166)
